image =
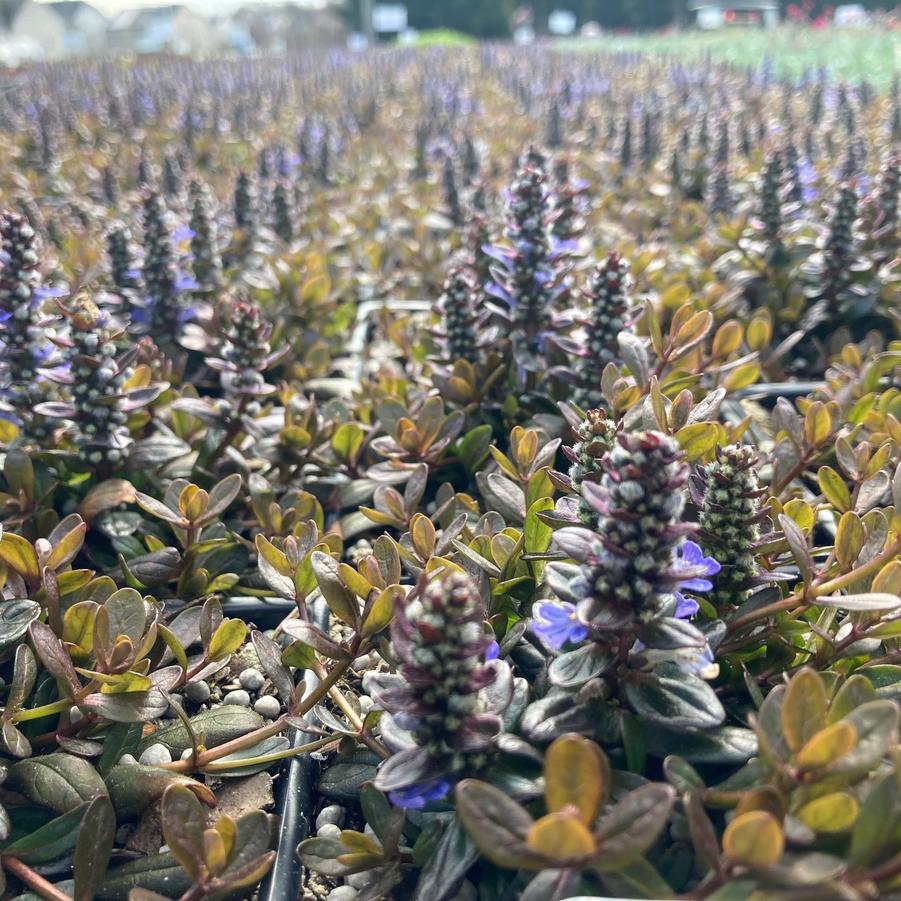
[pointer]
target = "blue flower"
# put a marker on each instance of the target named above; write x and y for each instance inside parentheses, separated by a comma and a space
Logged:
(492, 651)
(690, 557)
(415, 797)
(557, 624)
(686, 608)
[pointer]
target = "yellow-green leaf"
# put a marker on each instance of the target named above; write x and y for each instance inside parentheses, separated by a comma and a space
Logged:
(19, 556)
(577, 776)
(835, 812)
(803, 709)
(754, 839)
(561, 837)
(827, 746)
(817, 424)
(834, 488)
(381, 612)
(227, 638)
(850, 537)
(699, 438)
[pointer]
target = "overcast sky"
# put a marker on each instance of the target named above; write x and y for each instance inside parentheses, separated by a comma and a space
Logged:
(110, 7)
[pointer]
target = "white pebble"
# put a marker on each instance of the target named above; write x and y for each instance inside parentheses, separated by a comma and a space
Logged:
(333, 814)
(467, 892)
(252, 679)
(268, 707)
(358, 881)
(366, 704)
(127, 760)
(186, 754)
(164, 849)
(75, 715)
(155, 755)
(328, 830)
(342, 893)
(238, 696)
(197, 692)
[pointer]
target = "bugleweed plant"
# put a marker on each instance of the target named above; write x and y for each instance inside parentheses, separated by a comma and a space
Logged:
(535, 508)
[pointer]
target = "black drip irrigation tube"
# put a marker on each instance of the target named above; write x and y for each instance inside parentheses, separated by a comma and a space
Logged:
(295, 797)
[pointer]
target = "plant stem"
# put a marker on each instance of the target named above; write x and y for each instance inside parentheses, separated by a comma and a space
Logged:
(202, 760)
(275, 755)
(807, 595)
(34, 881)
(37, 713)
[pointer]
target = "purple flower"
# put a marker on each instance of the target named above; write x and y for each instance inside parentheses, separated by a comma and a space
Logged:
(686, 608)
(182, 233)
(492, 651)
(186, 282)
(691, 558)
(415, 797)
(556, 623)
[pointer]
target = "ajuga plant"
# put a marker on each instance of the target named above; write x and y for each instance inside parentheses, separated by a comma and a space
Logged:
(125, 270)
(769, 210)
(438, 722)
(881, 212)
(283, 212)
(621, 607)
(568, 193)
(244, 354)
(451, 191)
(104, 388)
(834, 272)
(607, 293)
(460, 321)
(205, 257)
(727, 495)
(166, 310)
(596, 436)
(244, 204)
(24, 350)
(528, 275)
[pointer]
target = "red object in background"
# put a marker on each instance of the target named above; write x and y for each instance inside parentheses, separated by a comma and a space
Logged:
(794, 11)
(729, 15)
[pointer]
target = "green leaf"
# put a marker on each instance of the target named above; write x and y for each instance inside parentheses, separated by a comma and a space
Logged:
(575, 668)
(51, 841)
(93, 847)
(134, 787)
(875, 724)
(15, 618)
(797, 543)
(119, 739)
(217, 725)
(183, 823)
(674, 698)
(448, 864)
(61, 782)
(473, 447)
(341, 601)
(497, 825)
(347, 441)
(633, 824)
